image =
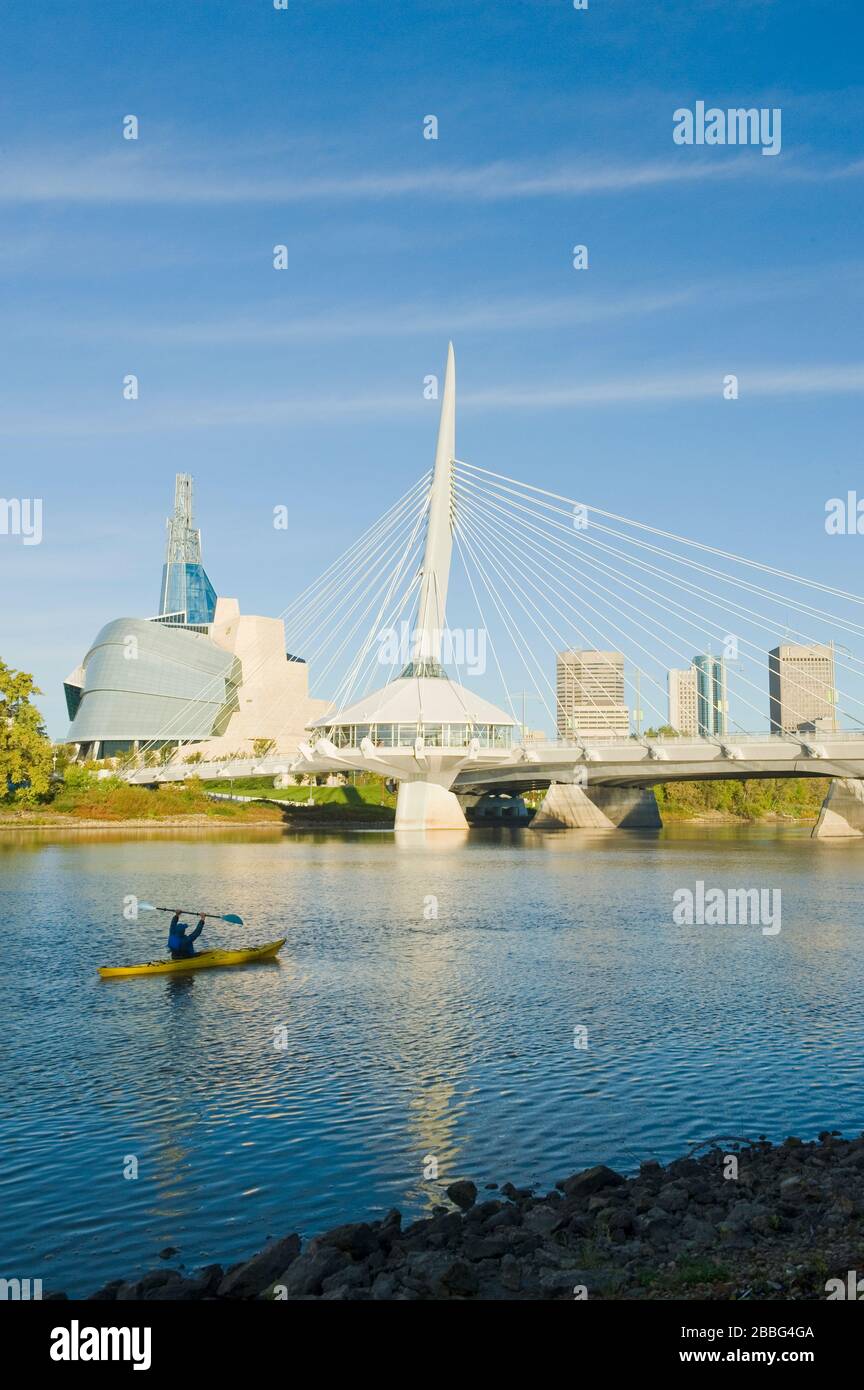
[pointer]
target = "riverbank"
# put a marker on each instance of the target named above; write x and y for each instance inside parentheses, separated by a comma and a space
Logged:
(743, 1221)
(52, 820)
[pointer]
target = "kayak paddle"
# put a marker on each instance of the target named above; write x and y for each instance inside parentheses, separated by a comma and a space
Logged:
(190, 912)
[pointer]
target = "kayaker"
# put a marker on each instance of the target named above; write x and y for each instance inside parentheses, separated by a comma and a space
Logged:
(179, 942)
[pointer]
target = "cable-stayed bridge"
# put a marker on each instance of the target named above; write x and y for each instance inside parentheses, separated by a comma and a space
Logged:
(539, 574)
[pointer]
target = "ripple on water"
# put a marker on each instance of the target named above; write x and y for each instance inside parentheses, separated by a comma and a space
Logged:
(405, 1040)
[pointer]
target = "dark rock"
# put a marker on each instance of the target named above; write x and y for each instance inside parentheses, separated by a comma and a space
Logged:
(350, 1278)
(489, 1247)
(168, 1252)
(507, 1216)
(516, 1194)
(249, 1279)
(203, 1285)
(108, 1292)
(463, 1193)
(488, 1209)
(592, 1180)
(357, 1240)
(384, 1287)
(673, 1198)
(447, 1228)
(658, 1228)
(148, 1286)
(306, 1274)
(460, 1280)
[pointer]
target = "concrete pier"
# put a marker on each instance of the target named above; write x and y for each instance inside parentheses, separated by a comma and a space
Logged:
(842, 814)
(628, 808)
(598, 808)
(566, 805)
(428, 806)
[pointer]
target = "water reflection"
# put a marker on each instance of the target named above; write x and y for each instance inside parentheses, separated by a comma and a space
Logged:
(410, 1033)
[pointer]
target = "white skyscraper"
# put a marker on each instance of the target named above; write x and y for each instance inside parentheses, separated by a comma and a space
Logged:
(590, 695)
(801, 687)
(683, 710)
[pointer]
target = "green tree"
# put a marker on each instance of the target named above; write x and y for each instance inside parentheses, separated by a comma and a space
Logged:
(25, 749)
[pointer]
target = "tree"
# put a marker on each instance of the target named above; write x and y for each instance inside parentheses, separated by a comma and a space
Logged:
(25, 749)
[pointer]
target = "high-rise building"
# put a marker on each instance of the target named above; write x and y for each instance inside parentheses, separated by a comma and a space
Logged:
(187, 595)
(801, 687)
(590, 695)
(683, 713)
(712, 704)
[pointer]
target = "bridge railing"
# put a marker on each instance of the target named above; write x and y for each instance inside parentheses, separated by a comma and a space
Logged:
(602, 741)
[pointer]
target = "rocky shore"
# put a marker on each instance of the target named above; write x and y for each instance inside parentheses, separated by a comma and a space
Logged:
(740, 1221)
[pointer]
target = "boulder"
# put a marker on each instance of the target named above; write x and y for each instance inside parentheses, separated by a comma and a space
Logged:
(459, 1280)
(307, 1273)
(463, 1194)
(357, 1240)
(592, 1180)
(247, 1280)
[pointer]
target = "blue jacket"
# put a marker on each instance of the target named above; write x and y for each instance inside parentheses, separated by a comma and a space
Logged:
(179, 938)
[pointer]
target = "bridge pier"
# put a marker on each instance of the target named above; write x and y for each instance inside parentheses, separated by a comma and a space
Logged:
(598, 808)
(428, 806)
(842, 813)
(628, 808)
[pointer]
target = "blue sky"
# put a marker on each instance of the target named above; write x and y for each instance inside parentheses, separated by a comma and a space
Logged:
(304, 386)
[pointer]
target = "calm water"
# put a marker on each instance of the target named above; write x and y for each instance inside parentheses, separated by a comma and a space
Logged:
(406, 1036)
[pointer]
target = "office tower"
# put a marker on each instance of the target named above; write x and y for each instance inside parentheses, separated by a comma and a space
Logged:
(590, 695)
(683, 715)
(711, 698)
(801, 687)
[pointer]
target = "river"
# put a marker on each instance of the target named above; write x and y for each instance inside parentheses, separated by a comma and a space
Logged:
(552, 1015)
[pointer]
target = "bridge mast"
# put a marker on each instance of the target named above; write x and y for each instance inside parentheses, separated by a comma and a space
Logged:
(431, 609)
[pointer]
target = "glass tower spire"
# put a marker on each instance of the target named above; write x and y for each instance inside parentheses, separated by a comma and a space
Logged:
(186, 590)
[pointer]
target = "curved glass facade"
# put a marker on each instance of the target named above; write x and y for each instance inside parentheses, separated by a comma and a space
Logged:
(145, 681)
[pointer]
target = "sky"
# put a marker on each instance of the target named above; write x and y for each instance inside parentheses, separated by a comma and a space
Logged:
(303, 387)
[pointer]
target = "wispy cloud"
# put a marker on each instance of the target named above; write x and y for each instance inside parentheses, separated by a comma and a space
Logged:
(671, 386)
(413, 319)
(134, 176)
(405, 320)
(642, 389)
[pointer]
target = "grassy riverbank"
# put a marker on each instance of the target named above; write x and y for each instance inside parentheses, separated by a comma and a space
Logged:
(86, 800)
(82, 797)
(113, 801)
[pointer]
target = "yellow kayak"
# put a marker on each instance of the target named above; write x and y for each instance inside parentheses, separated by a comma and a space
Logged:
(205, 960)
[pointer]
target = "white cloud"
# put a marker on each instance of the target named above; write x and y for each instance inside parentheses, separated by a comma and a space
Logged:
(672, 385)
(132, 176)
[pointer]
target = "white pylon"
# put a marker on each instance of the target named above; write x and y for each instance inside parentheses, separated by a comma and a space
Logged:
(432, 604)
